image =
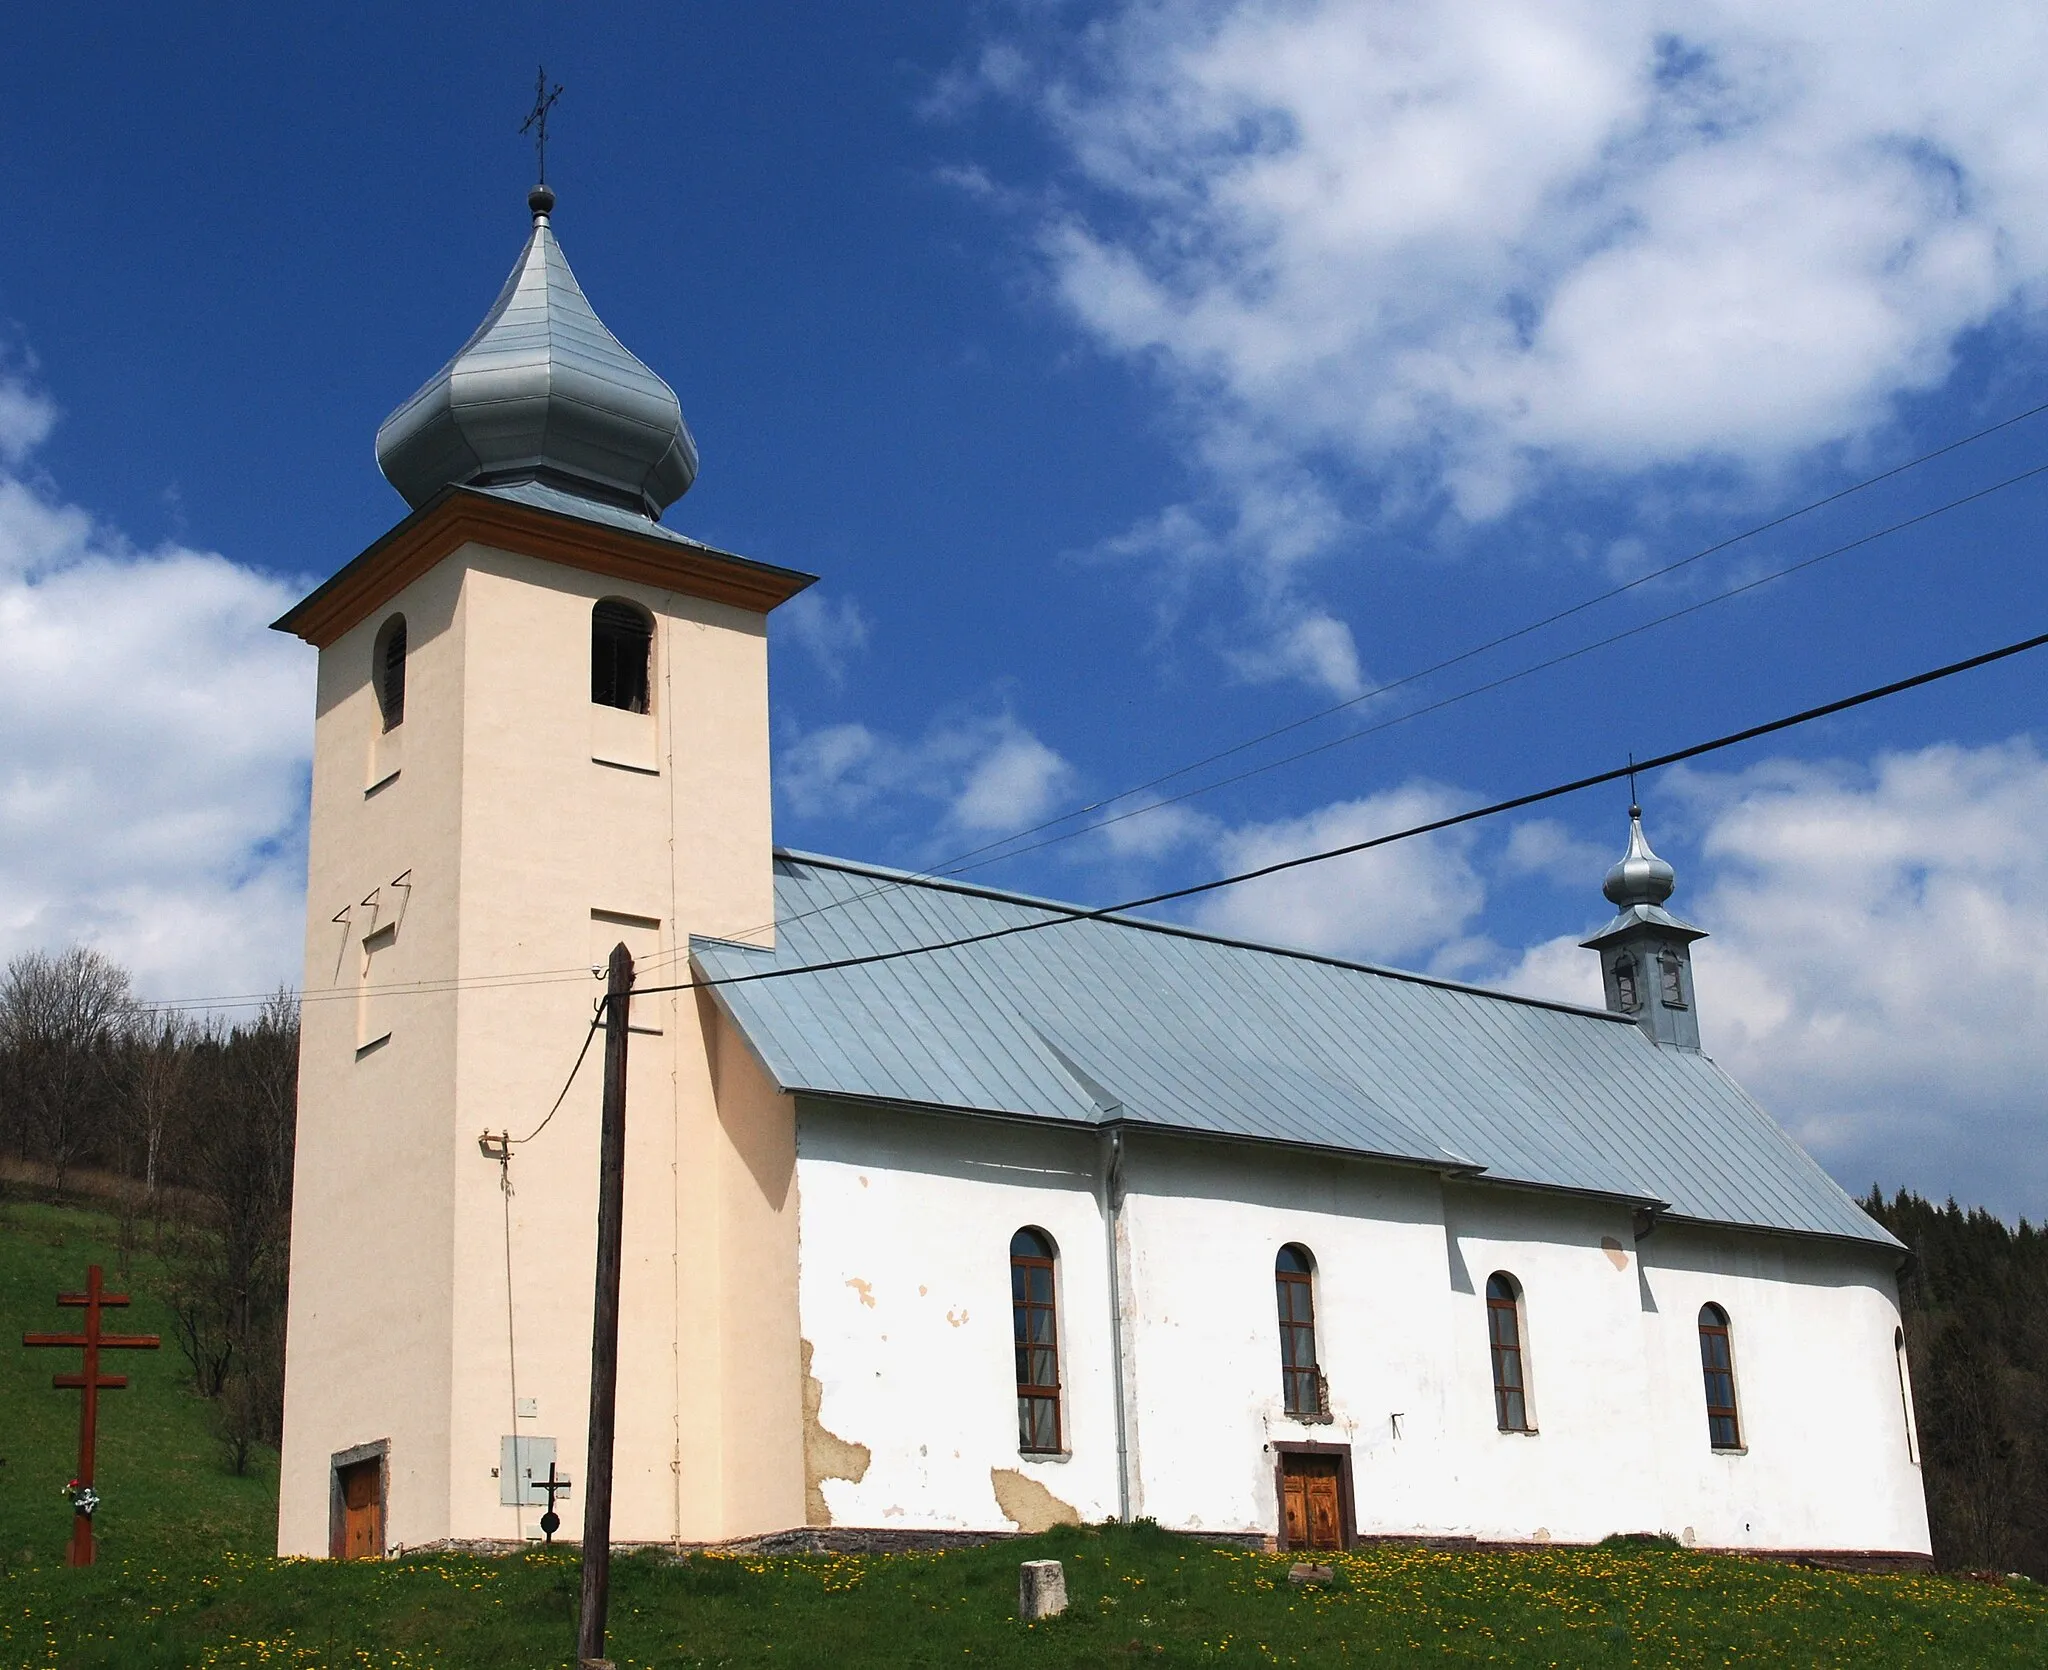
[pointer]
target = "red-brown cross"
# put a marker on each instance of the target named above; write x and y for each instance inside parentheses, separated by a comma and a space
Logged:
(92, 1383)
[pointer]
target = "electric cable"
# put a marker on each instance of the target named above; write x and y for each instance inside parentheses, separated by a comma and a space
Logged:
(1073, 913)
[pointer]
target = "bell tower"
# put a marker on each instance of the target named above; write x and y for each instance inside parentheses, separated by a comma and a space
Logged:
(1646, 952)
(541, 730)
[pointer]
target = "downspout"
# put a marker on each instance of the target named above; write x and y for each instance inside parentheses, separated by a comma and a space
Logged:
(1112, 1219)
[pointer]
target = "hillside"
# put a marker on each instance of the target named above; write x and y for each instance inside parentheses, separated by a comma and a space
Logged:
(185, 1579)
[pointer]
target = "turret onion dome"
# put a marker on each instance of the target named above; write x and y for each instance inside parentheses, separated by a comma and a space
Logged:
(542, 392)
(1641, 877)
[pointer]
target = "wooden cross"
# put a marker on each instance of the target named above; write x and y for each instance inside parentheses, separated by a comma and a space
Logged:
(536, 122)
(91, 1382)
(551, 1522)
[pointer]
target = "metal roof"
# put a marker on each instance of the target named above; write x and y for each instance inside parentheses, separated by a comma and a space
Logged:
(1116, 1019)
(542, 392)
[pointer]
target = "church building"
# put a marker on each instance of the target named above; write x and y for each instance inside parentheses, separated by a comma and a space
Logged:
(1087, 1218)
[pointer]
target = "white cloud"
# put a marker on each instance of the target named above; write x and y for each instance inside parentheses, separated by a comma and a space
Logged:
(1474, 243)
(26, 419)
(152, 763)
(1397, 903)
(1544, 847)
(830, 630)
(1011, 785)
(979, 775)
(1875, 975)
(1315, 647)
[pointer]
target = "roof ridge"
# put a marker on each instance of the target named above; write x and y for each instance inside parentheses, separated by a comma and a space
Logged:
(910, 878)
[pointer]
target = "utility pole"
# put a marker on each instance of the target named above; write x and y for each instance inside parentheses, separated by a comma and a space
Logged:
(604, 1320)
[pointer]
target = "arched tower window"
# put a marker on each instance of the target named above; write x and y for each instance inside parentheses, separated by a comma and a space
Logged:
(1673, 976)
(387, 671)
(621, 638)
(1034, 1320)
(1717, 1365)
(1504, 1338)
(1304, 1390)
(1625, 994)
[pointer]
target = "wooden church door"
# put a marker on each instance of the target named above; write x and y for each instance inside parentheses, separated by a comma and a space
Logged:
(1311, 1500)
(362, 1511)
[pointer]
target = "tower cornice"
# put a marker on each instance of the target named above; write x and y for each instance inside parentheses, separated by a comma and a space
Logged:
(458, 516)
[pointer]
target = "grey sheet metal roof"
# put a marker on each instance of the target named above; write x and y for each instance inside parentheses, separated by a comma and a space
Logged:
(1117, 1020)
(542, 391)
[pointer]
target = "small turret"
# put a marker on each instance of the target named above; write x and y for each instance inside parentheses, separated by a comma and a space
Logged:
(1646, 952)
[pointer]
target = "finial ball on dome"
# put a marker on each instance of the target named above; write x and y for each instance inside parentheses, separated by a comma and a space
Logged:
(541, 200)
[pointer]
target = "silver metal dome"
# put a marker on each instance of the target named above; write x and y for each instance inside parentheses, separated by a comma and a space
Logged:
(543, 392)
(1641, 878)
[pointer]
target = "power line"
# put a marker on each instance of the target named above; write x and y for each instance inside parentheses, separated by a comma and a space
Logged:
(1514, 677)
(1519, 632)
(1065, 913)
(958, 865)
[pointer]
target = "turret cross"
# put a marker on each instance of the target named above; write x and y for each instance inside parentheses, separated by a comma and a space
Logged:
(91, 1382)
(536, 122)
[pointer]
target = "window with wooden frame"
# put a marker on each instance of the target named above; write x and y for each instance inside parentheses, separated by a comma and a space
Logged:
(1034, 1319)
(621, 644)
(1717, 1367)
(387, 671)
(1304, 1391)
(1906, 1396)
(1504, 1341)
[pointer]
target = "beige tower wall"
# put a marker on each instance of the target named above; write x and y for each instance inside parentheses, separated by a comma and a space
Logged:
(540, 829)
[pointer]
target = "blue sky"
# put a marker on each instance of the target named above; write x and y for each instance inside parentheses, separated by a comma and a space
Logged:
(1137, 379)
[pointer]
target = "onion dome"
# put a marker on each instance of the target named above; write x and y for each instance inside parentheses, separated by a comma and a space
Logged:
(1641, 878)
(542, 392)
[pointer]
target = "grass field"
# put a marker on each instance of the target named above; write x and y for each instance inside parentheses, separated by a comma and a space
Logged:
(185, 1579)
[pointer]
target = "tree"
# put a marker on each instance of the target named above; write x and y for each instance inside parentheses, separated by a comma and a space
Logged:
(62, 1019)
(230, 1264)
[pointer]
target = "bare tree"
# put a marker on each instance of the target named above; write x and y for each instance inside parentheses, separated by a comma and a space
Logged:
(61, 1020)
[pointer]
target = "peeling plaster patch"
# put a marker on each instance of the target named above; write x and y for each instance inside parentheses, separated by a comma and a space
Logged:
(1617, 1255)
(826, 1454)
(867, 1293)
(863, 1182)
(1028, 1503)
(922, 1291)
(957, 1317)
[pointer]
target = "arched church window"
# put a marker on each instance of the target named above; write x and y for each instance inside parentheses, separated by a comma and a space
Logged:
(1625, 995)
(1305, 1391)
(621, 639)
(1504, 1339)
(1673, 979)
(387, 671)
(1906, 1395)
(1035, 1325)
(1717, 1364)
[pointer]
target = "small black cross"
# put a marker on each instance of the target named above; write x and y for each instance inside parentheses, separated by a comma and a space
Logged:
(551, 1522)
(536, 122)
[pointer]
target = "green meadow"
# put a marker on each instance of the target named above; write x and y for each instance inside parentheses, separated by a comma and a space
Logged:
(185, 1577)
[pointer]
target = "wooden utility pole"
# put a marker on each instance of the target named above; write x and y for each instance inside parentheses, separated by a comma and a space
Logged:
(91, 1382)
(604, 1320)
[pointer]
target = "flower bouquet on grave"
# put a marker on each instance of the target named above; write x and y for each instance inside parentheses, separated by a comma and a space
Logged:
(84, 1499)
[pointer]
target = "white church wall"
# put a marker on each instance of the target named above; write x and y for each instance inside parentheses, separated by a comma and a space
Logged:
(1206, 1222)
(1825, 1460)
(904, 1227)
(904, 1292)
